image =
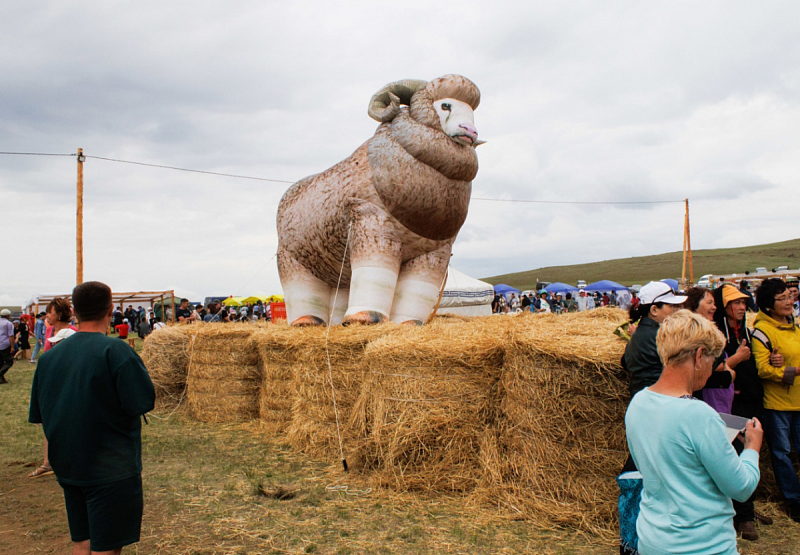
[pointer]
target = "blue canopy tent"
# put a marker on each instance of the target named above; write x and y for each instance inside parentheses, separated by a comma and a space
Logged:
(604, 286)
(505, 290)
(672, 283)
(558, 287)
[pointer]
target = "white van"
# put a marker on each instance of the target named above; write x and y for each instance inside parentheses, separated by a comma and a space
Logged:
(704, 281)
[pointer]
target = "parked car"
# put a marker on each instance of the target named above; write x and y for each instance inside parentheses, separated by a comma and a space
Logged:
(781, 268)
(761, 270)
(705, 281)
(581, 284)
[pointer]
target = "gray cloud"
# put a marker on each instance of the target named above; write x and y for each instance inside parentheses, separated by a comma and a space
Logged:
(619, 101)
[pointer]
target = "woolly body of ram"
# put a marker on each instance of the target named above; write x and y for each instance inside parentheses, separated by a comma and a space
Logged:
(370, 238)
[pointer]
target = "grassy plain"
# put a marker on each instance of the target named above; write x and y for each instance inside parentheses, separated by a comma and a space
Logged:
(641, 269)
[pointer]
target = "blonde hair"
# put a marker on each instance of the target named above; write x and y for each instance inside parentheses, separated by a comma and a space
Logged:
(682, 333)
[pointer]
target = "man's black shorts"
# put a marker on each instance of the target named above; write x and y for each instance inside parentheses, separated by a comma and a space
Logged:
(110, 515)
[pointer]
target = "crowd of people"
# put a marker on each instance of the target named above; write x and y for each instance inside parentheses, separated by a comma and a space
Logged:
(691, 357)
(558, 303)
(217, 312)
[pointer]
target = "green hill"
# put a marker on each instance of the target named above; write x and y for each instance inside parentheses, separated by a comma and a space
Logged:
(641, 269)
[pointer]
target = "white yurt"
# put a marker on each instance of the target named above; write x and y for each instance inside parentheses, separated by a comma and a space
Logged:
(465, 295)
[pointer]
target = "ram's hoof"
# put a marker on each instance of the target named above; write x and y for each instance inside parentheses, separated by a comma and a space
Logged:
(365, 317)
(309, 321)
(413, 322)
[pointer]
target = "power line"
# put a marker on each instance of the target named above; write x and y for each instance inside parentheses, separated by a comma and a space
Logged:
(36, 154)
(579, 201)
(284, 181)
(188, 170)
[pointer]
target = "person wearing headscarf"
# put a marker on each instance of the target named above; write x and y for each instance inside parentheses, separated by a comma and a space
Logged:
(748, 393)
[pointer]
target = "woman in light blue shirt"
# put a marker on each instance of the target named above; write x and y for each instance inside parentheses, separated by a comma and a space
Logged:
(690, 470)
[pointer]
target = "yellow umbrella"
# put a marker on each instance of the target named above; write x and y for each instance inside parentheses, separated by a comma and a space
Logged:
(233, 301)
(263, 299)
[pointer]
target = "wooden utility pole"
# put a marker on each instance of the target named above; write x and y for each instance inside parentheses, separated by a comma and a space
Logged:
(687, 248)
(79, 222)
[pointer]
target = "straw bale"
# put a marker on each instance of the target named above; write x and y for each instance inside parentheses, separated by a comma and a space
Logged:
(428, 408)
(562, 438)
(223, 377)
(222, 400)
(165, 355)
(297, 382)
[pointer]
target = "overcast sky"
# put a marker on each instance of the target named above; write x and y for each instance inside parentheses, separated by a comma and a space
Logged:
(611, 101)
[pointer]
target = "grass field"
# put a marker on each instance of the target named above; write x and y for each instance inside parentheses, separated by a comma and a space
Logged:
(641, 269)
(237, 489)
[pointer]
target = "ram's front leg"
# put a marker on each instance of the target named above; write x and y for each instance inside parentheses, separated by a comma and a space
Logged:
(307, 297)
(419, 284)
(375, 254)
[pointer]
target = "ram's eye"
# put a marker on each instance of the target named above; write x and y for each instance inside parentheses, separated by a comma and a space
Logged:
(446, 106)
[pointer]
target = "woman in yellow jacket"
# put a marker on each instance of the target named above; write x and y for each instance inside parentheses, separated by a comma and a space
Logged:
(775, 329)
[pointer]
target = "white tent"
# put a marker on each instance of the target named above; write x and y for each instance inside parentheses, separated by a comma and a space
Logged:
(465, 296)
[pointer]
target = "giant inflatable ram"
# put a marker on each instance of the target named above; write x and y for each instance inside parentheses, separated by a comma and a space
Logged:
(379, 226)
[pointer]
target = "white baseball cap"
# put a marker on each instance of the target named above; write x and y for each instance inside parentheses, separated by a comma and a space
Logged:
(659, 292)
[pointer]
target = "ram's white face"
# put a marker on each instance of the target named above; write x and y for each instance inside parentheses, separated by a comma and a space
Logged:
(457, 121)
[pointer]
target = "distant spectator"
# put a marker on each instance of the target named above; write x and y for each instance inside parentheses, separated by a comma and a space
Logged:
(557, 304)
(751, 303)
(158, 324)
(123, 329)
(544, 306)
(38, 332)
(6, 344)
(605, 300)
(144, 329)
(23, 339)
(118, 317)
(792, 285)
(184, 313)
(570, 305)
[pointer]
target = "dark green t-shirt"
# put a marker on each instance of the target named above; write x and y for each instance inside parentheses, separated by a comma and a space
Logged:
(88, 393)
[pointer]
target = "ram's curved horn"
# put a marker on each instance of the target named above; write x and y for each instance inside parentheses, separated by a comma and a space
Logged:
(385, 104)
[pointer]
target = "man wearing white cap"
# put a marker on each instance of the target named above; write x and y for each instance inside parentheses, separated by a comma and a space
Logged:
(6, 344)
(657, 300)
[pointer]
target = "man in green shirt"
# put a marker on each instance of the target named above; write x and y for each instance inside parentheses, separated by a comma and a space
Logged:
(88, 393)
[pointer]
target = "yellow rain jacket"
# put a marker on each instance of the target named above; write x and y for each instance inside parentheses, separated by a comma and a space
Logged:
(781, 389)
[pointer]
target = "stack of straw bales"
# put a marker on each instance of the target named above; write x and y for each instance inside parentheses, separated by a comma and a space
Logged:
(562, 441)
(521, 412)
(223, 377)
(428, 410)
(165, 354)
